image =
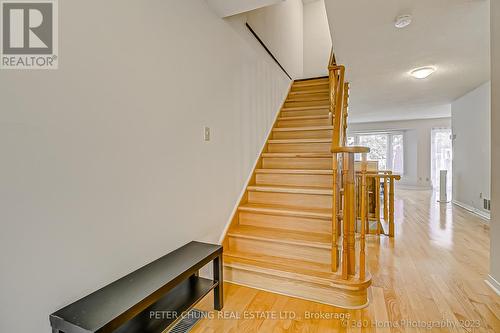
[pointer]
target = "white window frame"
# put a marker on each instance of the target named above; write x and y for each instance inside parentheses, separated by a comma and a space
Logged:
(389, 134)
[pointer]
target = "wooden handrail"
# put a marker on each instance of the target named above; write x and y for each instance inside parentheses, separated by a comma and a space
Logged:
(350, 149)
(344, 214)
(336, 75)
(345, 113)
(332, 61)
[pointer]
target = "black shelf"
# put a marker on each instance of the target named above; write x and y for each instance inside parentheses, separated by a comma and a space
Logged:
(170, 283)
(173, 305)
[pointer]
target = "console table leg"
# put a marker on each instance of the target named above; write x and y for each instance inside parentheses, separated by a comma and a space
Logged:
(218, 276)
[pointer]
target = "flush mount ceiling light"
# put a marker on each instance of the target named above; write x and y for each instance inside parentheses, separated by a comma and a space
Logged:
(422, 72)
(402, 21)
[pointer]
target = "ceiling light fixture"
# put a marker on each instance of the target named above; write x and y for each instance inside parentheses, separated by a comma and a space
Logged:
(422, 72)
(402, 21)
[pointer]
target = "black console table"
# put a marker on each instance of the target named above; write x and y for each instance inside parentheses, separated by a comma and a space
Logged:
(148, 300)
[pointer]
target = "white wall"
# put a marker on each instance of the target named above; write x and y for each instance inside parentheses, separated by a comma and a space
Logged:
(470, 119)
(317, 39)
(104, 167)
(417, 146)
(281, 28)
(495, 143)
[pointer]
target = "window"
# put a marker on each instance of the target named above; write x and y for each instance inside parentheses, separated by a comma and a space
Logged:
(441, 155)
(386, 148)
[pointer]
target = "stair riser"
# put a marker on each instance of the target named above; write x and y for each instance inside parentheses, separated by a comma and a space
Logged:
(320, 91)
(294, 179)
(297, 163)
(311, 83)
(300, 113)
(308, 97)
(291, 199)
(307, 103)
(303, 123)
(297, 288)
(324, 86)
(270, 248)
(299, 147)
(317, 134)
(285, 222)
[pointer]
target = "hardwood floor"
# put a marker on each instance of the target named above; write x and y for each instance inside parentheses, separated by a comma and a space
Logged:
(432, 273)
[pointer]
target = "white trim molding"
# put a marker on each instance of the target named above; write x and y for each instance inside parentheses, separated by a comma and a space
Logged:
(473, 210)
(494, 284)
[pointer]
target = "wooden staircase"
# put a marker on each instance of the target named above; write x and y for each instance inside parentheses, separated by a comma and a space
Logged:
(280, 238)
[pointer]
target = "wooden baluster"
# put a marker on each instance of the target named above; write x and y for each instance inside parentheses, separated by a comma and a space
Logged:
(369, 199)
(335, 206)
(377, 202)
(391, 207)
(385, 199)
(345, 217)
(363, 222)
(350, 219)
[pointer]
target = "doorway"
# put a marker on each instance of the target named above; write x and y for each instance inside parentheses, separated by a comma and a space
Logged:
(441, 157)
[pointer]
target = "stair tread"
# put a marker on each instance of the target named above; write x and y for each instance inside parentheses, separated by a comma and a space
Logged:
(279, 263)
(326, 140)
(291, 189)
(297, 171)
(291, 268)
(307, 99)
(303, 117)
(303, 128)
(316, 91)
(298, 155)
(300, 238)
(314, 82)
(305, 108)
(324, 213)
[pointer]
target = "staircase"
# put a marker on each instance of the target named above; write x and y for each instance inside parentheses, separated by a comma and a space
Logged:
(281, 236)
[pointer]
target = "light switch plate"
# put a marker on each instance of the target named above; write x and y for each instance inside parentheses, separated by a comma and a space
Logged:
(207, 133)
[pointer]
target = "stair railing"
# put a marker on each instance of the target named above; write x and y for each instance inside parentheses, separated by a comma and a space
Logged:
(345, 196)
(388, 179)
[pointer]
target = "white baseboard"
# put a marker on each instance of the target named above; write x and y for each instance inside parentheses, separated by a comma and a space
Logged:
(494, 284)
(473, 210)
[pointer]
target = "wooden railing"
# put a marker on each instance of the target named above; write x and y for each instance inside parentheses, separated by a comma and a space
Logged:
(344, 212)
(388, 184)
(350, 202)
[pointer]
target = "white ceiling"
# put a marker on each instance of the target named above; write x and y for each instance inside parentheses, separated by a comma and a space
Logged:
(452, 35)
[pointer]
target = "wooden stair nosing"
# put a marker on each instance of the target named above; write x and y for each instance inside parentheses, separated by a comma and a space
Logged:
(303, 117)
(282, 236)
(278, 268)
(315, 213)
(290, 189)
(297, 155)
(303, 128)
(305, 108)
(310, 83)
(294, 269)
(305, 92)
(295, 171)
(283, 141)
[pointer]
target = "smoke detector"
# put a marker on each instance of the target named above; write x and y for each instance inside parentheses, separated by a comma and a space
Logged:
(402, 21)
